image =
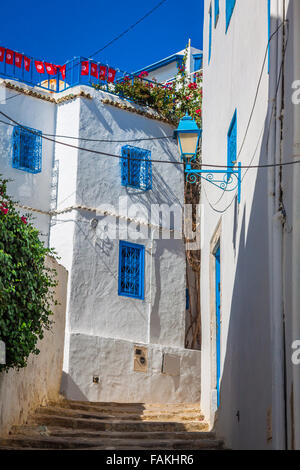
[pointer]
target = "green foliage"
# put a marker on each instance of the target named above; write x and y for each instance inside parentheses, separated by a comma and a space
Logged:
(172, 100)
(26, 285)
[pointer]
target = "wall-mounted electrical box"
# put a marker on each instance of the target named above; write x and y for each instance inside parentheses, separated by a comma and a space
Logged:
(140, 360)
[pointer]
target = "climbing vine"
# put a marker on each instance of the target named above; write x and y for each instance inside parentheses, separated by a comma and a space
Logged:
(26, 284)
(171, 100)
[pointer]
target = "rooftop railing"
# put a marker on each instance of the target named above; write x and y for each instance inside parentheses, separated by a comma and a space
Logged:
(63, 77)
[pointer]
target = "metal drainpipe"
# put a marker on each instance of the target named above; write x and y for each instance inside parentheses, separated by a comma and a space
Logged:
(279, 431)
(295, 34)
(283, 222)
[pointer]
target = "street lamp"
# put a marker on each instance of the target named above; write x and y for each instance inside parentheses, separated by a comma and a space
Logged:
(188, 135)
(226, 178)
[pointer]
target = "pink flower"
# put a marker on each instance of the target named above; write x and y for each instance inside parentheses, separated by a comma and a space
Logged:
(24, 219)
(198, 111)
(4, 209)
(143, 74)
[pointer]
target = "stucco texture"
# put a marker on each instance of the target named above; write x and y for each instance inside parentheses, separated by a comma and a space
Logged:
(24, 390)
(112, 360)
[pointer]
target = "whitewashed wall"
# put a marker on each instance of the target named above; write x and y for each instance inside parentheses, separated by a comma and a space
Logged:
(169, 71)
(21, 392)
(230, 82)
(164, 73)
(290, 236)
(94, 308)
(29, 189)
(95, 311)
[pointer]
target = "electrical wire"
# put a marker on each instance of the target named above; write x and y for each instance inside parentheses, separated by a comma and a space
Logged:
(213, 206)
(128, 29)
(247, 167)
(99, 140)
(10, 98)
(112, 41)
(98, 152)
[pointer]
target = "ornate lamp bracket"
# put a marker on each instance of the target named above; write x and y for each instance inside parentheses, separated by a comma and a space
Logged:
(227, 180)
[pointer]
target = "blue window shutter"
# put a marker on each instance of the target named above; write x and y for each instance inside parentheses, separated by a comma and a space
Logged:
(210, 33)
(230, 4)
(197, 61)
(232, 142)
(131, 270)
(27, 149)
(217, 11)
(136, 168)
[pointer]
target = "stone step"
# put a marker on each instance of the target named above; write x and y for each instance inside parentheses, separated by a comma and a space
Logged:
(106, 443)
(144, 410)
(29, 430)
(90, 413)
(130, 406)
(115, 424)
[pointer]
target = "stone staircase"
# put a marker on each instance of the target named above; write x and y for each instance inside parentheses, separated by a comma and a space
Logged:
(113, 426)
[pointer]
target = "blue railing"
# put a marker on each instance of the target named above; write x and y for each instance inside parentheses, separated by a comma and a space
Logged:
(58, 82)
(46, 81)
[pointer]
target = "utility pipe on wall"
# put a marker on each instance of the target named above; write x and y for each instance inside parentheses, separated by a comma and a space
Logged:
(276, 236)
(295, 14)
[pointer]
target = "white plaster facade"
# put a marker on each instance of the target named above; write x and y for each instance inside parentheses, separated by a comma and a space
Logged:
(28, 188)
(103, 328)
(165, 70)
(259, 240)
(22, 391)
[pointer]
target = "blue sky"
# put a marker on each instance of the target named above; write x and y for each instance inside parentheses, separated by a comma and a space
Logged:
(56, 31)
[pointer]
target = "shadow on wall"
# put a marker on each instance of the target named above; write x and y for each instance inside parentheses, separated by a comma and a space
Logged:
(118, 411)
(69, 387)
(135, 122)
(161, 247)
(244, 415)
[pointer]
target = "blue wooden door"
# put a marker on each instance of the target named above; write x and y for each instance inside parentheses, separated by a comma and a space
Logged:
(218, 319)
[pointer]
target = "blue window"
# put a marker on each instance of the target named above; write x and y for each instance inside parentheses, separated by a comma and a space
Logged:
(218, 318)
(197, 62)
(136, 168)
(210, 33)
(217, 11)
(232, 142)
(131, 270)
(230, 4)
(27, 149)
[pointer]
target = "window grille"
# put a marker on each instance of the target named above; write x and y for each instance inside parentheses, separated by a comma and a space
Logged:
(232, 142)
(131, 270)
(230, 4)
(136, 168)
(27, 149)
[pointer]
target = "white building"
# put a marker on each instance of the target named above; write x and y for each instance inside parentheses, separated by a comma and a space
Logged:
(250, 386)
(126, 303)
(165, 70)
